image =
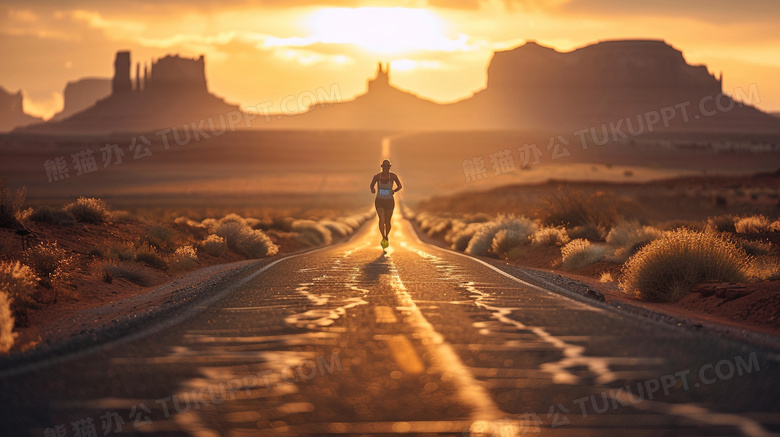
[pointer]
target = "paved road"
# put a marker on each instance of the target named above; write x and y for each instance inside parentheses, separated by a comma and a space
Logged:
(349, 340)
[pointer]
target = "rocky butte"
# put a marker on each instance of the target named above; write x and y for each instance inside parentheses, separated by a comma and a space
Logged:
(532, 86)
(172, 92)
(12, 111)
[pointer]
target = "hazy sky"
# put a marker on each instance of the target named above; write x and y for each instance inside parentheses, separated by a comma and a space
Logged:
(263, 51)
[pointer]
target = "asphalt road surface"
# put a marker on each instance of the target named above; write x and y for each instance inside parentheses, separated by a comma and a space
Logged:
(348, 340)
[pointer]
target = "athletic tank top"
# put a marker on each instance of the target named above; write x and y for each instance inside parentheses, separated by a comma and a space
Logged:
(385, 190)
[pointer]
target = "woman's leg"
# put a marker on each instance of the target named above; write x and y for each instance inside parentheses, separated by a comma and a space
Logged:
(388, 219)
(380, 212)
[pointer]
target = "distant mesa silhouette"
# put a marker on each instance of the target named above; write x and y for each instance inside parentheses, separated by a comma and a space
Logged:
(528, 87)
(12, 113)
(81, 94)
(171, 92)
(381, 107)
(533, 86)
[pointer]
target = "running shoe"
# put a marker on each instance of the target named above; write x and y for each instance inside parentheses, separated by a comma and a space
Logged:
(385, 243)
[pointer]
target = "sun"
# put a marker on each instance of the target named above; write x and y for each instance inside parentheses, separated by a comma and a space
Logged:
(387, 31)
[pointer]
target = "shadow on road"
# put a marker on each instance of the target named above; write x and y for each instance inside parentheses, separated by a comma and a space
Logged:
(373, 270)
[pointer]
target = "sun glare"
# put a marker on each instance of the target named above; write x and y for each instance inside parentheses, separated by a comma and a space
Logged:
(381, 30)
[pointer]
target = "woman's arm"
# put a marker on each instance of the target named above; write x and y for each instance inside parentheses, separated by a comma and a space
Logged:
(373, 182)
(397, 182)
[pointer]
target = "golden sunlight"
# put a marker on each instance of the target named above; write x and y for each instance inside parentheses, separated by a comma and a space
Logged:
(387, 31)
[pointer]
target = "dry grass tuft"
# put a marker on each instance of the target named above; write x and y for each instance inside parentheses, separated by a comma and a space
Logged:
(184, 258)
(312, 233)
(10, 205)
(151, 257)
(89, 210)
(581, 253)
(666, 269)
(214, 245)
(606, 277)
(481, 243)
(44, 214)
(756, 224)
(18, 281)
(627, 238)
(7, 334)
(550, 236)
(567, 207)
(722, 223)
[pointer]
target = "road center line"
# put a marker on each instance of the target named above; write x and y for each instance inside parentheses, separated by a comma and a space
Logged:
(470, 391)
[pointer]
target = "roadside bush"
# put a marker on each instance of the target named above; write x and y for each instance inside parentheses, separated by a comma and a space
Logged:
(312, 232)
(10, 204)
(46, 215)
(160, 237)
(550, 236)
(214, 245)
(338, 229)
(46, 258)
(666, 269)
(231, 232)
(88, 210)
(184, 258)
(753, 225)
(18, 281)
(7, 334)
(581, 253)
(124, 217)
(587, 232)
(722, 223)
(506, 240)
(124, 252)
(567, 207)
(628, 237)
(149, 256)
(482, 241)
(254, 243)
(461, 238)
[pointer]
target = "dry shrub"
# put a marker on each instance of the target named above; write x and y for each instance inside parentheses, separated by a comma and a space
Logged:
(122, 252)
(184, 258)
(44, 214)
(160, 237)
(7, 334)
(214, 245)
(45, 258)
(581, 253)
(339, 229)
(756, 224)
(254, 243)
(667, 268)
(124, 217)
(10, 204)
(722, 223)
(312, 232)
(587, 232)
(128, 271)
(149, 256)
(231, 232)
(460, 239)
(88, 210)
(507, 239)
(567, 207)
(550, 236)
(482, 242)
(627, 238)
(606, 277)
(18, 281)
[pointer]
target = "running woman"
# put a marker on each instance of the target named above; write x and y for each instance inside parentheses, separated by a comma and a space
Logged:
(385, 203)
